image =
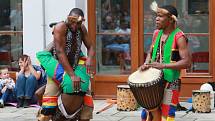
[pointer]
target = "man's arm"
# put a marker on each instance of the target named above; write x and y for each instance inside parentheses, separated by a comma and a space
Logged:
(90, 51)
(185, 61)
(60, 44)
(49, 47)
(149, 54)
(87, 42)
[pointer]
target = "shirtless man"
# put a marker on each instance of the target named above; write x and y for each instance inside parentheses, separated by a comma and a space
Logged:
(68, 72)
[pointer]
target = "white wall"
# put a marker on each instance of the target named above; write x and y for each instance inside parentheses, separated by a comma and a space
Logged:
(34, 38)
(83, 5)
(56, 11)
(32, 27)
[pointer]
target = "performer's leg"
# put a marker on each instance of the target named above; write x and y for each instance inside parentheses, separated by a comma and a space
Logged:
(39, 93)
(56, 71)
(156, 115)
(146, 115)
(87, 110)
(49, 102)
(170, 101)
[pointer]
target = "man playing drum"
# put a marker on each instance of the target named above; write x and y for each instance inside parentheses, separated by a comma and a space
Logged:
(66, 70)
(169, 52)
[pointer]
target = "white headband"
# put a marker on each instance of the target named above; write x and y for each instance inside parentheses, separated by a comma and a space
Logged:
(154, 7)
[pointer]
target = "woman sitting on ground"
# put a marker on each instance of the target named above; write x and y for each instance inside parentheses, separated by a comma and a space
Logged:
(27, 81)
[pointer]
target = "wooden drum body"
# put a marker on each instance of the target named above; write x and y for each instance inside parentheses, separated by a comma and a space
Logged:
(147, 87)
(201, 101)
(125, 99)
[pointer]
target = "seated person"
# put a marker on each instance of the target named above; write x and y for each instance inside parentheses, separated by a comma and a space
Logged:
(120, 48)
(6, 87)
(29, 78)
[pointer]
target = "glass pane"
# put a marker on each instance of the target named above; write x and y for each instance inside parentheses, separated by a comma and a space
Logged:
(113, 36)
(10, 50)
(113, 54)
(200, 55)
(11, 15)
(193, 20)
(11, 41)
(111, 14)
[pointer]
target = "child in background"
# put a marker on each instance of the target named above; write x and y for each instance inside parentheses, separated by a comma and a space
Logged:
(7, 86)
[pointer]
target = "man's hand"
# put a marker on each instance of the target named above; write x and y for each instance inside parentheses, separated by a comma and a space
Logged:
(89, 61)
(144, 67)
(76, 83)
(50, 46)
(89, 67)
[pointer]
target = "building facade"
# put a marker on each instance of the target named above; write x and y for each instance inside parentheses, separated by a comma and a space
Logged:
(24, 26)
(121, 31)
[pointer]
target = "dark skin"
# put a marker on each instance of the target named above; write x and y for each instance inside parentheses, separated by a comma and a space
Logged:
(71, 102)
(60, 40)
(165, 22)
(168, 25)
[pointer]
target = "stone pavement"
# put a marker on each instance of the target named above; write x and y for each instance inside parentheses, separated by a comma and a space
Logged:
(111, 114)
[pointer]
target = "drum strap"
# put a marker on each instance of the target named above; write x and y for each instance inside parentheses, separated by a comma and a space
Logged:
(63, 111)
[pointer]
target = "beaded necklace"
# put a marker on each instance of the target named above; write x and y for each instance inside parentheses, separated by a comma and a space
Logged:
(72, 44)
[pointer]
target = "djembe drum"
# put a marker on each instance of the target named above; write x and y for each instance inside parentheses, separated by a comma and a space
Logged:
(147, 87)
(125, 99)
(201, 101)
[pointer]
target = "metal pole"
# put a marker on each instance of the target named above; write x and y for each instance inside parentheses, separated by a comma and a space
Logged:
(44, 24)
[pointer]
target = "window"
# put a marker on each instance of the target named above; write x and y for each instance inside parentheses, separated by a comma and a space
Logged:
(10, 33)
(113, 36)
(193, 21)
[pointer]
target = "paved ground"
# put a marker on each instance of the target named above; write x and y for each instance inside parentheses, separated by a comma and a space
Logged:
(28, 114)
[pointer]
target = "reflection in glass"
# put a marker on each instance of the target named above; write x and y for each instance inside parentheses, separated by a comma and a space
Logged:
(4, 14)
(111, 14)
(113, 36)
(11, 45)
(195, 26)
(199, 51)
(113, 53)
(16, 17)
(11, 15)
(10, 50)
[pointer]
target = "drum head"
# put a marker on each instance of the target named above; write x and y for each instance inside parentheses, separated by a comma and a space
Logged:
(200, 91)
(144, 76)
